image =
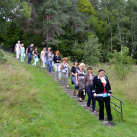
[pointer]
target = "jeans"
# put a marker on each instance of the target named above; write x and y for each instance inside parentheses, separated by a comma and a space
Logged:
(47, 64)
(74, 81)
(65, 78)
(106, 100)
(22, 57)
(50, 66)
(35, 61)
(90, 96)
(29, 58)
(57, 70)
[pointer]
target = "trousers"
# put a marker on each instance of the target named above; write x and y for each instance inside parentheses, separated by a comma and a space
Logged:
(65, 78)
(57, 70)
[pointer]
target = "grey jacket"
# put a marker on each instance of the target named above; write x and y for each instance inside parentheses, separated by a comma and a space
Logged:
(87, 80)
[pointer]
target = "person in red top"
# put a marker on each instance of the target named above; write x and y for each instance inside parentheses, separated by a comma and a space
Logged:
(102, 92)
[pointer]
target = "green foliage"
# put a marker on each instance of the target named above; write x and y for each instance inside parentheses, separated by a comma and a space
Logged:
(91, 51)
(2, 58)
(123, 62)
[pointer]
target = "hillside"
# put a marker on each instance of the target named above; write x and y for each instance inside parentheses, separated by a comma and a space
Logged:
(34, 105)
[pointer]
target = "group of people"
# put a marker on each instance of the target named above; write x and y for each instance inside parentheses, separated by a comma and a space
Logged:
(96, 87)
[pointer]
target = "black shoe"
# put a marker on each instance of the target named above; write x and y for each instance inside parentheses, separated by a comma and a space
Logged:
(101, 120)
(74, 93)
(111, 123)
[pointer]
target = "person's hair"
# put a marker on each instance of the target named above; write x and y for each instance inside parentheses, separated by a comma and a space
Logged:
(101, 70)
(65, 59)
(58, 52)
(32, 44)
(36, 47)
(51, 51)
(22, 44)
(49, 47)
(89, 68)
(75, 62)
(82, 64)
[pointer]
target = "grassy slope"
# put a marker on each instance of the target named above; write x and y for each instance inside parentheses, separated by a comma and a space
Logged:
(32, 104)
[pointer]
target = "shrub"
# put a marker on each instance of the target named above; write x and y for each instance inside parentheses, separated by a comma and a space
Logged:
(122, 62)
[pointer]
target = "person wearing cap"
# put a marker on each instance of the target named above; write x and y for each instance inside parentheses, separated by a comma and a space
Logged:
(56, 61)
(102, 92)
(80, 82)
(17, 49)
(22, 53)
(29, 52)
(88, 83)
(64, 67)
(73, 79)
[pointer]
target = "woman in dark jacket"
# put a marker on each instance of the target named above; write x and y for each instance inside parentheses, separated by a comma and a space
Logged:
(73, 72)
(102, 92)
(88, 83)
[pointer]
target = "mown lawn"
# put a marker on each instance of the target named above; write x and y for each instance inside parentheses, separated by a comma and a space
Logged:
(33, 105)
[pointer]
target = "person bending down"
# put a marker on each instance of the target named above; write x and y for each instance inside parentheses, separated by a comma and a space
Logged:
(64, 67)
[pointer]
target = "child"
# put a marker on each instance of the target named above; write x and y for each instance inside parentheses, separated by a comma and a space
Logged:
(22, 53)
(64, 66)
(35, 53)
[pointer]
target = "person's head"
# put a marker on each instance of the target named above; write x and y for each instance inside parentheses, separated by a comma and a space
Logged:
(36, 48)
(22, 45)
(51, 51)
(76, 63)
(81, 66)
(32, 45)
(57, 53)
(18, 42)
(89, 69)
(44, 49)
(49, 48)
(101, 72)
(64, 60)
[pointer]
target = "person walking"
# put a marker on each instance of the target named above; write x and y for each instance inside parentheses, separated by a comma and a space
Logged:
(88, 83)
(64, 67)
(102, 92)
(80, 82)
(22, 53)
(17, 50)
(50, 59)
(29, 52)
(47, 57)
(73, 79)
(56, 61)
(35, 55)
(42, 56)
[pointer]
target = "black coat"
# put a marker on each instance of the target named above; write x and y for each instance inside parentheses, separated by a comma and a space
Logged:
(98, 87)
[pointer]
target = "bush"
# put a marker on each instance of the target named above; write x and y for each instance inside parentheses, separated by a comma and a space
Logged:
(91, 51)
(2, 59)
(122, 62)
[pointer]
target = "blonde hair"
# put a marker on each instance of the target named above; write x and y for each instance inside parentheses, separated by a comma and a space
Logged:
(82, 64)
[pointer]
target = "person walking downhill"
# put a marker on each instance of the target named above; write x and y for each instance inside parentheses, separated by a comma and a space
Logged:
(56, 61)
(80, 81)
(22, 53)
(88, 83)
(17, 50)
(35, 55)
(42, 56)
(64, 66)
(50, 59)
(102, 92)
(29, 53)
(47, 57)
(73, 79)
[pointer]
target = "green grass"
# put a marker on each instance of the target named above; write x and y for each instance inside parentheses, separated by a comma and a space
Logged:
(32, 104)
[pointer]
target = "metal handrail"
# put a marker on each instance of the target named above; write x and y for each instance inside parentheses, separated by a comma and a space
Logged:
(121, 102)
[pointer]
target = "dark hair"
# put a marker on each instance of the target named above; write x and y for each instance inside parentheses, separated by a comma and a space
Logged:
(51, 51)
(36, 47)
(89, 68)
(75, 62)
(101, 70)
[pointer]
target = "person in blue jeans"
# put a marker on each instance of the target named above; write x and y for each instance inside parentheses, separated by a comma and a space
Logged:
(73, 72)
(35, 55)
(29, 52)
(47, 57)
(88, 84)
(50, 60)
